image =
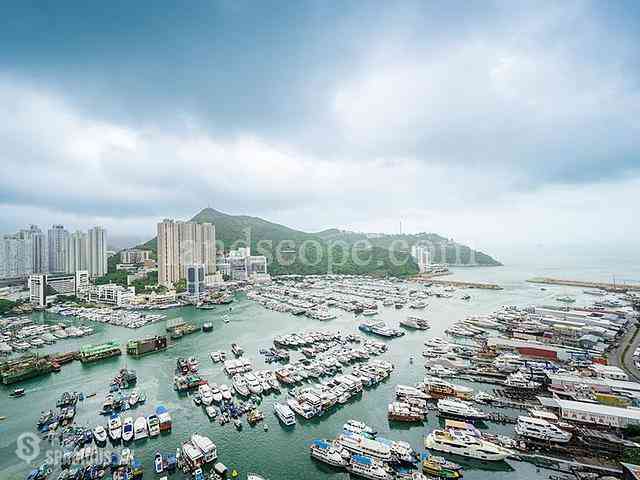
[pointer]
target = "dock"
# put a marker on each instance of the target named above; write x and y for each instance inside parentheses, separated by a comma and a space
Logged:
(609, 287)
(458, 284)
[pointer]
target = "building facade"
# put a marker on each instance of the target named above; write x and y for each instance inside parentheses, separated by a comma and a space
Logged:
(76, 252)
(195, 275)
(16, 255)
(421, 255)
(39, 244)
(97, 252)
(134, 256)
(57, 239)
(181, 244)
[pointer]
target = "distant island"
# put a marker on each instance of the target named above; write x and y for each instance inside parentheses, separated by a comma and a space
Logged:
(332, 250)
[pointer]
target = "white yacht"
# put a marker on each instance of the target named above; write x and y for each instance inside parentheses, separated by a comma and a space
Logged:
(225, 391)
(206, 446)
(115, 428)
(541, 429)
(367, 467)
(520, 381)
(127, 429)
(361, 445)
(284, 414)
(206, 395)
(508, 363)
(458, 408)
(359, 428)
(328, 453)
(217, 394)
(140, 428)
(459, 443)
(252, 383)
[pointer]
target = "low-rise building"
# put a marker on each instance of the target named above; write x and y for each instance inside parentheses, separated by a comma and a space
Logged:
(111, 294)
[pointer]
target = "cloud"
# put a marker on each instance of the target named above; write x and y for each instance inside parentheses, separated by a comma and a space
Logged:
(492, 124)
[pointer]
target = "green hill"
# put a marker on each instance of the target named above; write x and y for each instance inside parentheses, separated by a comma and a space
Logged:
(291, 251)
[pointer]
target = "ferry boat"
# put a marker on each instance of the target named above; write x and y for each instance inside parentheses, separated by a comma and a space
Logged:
(463, 444)
(541, 429)
(460, 409)
(127, 429)
(440, 467)
(367, 467)
(140, 428)
(284, 414)
(326, 452)
(361, 445)
(415, 323)
(206, 446)
(93, 353)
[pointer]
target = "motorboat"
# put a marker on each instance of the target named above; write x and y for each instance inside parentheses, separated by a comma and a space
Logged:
(253, 384)
(240, 385)
(100, 434)
(328, 453)
(415, 323)
(217, 394)
(153, 425)
(133, 397)
(225, 391)
(127, 429)
(140, 428)
(440, 467)
(541, 429)
(126, 457)
(115, 428)
(457, 442)
(284, 414)
(460, 409)
(206, 394)
(359, 428)
(157, 462)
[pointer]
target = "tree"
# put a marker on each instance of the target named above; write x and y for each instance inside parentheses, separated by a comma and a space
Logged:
(181, 285)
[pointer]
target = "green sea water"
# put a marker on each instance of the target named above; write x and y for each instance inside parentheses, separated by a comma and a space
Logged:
(276, 454)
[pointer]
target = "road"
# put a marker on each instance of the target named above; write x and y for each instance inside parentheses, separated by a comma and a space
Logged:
(627, 363)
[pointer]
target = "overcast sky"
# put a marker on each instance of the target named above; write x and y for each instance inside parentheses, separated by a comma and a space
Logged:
(493, 123)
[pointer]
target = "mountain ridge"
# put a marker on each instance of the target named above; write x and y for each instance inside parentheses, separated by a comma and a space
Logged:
(326, 251)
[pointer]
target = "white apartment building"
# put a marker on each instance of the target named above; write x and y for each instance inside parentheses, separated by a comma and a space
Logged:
(97, 252)
(76, 252)
(181, 244)
(38, 290)
(16, 254)
(111, 294)
(57, 239)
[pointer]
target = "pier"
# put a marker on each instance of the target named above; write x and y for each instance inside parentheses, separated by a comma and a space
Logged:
(458, 284)
(609, 287)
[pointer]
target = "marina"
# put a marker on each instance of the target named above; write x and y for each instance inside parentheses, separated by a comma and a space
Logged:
(309, 376)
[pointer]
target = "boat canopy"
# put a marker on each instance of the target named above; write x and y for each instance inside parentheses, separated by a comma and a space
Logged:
(362, 459)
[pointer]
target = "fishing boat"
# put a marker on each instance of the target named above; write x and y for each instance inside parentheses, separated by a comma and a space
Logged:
(164, 417)
(440, 467)
(328, 453)
(126, 456)
(140, 428)
(460, 443)
(225, 391)
(240, 386)
(415, 323)
(127, 429)
(157, 462)
(211, 411)
(206, 395)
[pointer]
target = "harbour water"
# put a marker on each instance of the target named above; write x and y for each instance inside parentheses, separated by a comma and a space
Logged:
(277, 453)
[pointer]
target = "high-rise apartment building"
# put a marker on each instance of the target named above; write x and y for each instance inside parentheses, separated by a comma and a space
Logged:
(76, 252)
(97, 252)
(422, 257)
(57, 239)
(181, 244)
(39, 244)
(16, 254)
